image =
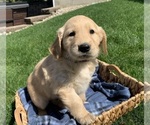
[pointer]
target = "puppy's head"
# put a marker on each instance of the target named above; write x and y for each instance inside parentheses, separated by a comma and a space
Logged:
(79, 39)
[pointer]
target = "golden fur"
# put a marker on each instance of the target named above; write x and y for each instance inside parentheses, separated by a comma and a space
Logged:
(67, 72)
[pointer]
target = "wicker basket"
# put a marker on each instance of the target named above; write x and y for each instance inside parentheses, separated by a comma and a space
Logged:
(109, 73)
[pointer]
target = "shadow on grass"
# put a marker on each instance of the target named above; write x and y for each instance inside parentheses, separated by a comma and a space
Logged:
(12, 120)
(140, 1)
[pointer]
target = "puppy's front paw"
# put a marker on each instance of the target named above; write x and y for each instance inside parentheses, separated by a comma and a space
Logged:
(87, 119)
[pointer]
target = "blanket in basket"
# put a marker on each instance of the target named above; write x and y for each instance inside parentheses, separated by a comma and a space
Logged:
(101, 96)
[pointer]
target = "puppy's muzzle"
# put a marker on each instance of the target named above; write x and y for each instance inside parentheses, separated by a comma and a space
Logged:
(84, 48)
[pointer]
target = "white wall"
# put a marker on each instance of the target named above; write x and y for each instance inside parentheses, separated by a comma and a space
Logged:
(75, 2)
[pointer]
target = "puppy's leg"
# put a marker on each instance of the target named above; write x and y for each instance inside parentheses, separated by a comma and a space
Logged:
(83, 97)
(41, 112)
(75, 105)
(40, 102)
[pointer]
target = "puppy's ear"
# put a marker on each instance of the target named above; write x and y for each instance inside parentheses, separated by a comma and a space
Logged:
(103, 43)
(56, 48)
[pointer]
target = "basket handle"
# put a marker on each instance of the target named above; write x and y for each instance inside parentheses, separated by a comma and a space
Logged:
(118, 72)
(114, 68)
(17, 114)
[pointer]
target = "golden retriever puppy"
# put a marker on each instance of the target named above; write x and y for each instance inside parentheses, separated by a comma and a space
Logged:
(66, 73)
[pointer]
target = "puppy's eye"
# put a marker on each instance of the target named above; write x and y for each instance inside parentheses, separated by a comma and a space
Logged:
(92, 31)
(72, 33)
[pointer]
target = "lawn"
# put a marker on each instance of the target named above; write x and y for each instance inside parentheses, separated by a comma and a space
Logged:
(121, 19)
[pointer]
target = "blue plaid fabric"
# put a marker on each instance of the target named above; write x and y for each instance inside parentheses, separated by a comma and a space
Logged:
(101, 96)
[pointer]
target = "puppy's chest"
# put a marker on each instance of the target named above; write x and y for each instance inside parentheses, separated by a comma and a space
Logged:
(82, 79)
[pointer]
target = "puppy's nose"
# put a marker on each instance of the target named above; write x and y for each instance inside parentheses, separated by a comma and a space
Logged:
(84, 47)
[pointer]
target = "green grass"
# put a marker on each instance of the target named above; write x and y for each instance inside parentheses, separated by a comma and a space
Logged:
(121, 19)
